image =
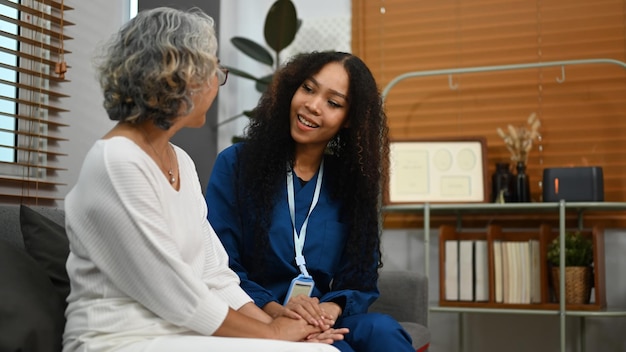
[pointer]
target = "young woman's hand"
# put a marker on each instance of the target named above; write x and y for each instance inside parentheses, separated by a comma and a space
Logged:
(310, 309)
(332, 309)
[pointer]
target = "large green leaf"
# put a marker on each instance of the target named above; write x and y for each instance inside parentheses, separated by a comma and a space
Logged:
(250, 113)
(240, 73)
(263, 82)
(237, 139)
(281, 25)
(253, 50)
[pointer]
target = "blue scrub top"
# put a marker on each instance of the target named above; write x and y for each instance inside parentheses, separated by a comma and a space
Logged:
(325, 240)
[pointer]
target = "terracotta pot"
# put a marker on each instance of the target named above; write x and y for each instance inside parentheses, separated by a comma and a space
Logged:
(578, 282)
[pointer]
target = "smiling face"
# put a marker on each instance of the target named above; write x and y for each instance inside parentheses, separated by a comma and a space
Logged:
(319, 107)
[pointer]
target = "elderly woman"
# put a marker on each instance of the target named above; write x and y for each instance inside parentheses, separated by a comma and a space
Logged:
(147, 271)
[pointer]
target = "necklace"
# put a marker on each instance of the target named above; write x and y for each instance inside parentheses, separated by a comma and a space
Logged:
(170, 172)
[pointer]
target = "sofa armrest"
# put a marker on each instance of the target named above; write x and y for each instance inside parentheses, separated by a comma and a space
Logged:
(403, 295)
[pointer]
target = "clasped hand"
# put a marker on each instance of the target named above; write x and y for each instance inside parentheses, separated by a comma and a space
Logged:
(322, 315)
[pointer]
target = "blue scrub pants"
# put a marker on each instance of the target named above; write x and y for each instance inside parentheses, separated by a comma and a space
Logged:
(373, 332)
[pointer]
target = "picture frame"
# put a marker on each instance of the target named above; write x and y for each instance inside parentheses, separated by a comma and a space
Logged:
(441, 170)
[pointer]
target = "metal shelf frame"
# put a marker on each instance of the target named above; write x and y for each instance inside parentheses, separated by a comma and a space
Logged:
(478, 69)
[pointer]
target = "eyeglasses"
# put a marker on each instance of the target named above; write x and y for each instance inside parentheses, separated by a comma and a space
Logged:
(222, 74)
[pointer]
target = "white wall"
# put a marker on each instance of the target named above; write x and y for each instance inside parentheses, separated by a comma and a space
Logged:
(95, 21)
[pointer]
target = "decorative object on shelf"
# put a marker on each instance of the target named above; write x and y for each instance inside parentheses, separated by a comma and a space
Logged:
(573, 184)
(502, 186)
(522, 184)
(578, 267)
(519, 140)
(443, 170)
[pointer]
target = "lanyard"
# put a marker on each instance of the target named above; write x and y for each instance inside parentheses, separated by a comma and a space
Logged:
(298, 239)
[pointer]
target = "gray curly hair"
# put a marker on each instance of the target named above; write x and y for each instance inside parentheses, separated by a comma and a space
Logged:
(149, 69)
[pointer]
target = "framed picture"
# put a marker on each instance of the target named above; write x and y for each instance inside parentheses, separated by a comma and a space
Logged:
(438, 171)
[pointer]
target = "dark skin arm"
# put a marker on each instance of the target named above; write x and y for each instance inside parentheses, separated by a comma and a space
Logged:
(251, 321)
(241, 324)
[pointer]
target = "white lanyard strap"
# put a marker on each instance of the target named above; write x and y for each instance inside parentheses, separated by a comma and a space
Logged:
(298, 239)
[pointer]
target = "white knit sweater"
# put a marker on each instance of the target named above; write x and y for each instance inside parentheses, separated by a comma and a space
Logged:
(144, 260)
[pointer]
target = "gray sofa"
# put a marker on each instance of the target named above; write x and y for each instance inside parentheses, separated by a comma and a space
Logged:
(34, 284)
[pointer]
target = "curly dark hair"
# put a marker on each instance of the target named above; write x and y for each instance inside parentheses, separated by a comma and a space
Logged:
(357, 159)
(149, 69)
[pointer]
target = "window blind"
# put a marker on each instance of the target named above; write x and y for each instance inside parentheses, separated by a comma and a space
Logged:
(32, 73)
(582, 116)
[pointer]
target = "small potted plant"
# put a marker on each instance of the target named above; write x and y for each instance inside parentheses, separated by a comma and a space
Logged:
(578, 267)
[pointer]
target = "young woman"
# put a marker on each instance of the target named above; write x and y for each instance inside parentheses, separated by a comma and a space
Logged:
(147, 271)
(297, 204)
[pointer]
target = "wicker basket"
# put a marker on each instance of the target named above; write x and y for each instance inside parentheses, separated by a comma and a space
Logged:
(577, 284)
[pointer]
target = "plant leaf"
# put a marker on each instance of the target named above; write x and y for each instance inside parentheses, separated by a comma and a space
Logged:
(253, 50)
(239, 73)
(260, 86)
(281, 25)
(263, 82)
(237, 139)
(249, 113)
(578, 250)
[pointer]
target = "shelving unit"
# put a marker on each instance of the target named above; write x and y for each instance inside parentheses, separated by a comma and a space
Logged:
(562, 207)
(543, 235)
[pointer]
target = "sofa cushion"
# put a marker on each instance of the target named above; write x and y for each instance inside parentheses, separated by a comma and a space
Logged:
(419, 333)
(10, 228)
(32, 314)
(46, 241)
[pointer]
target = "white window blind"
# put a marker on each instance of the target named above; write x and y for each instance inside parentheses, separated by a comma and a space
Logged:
(32, 71)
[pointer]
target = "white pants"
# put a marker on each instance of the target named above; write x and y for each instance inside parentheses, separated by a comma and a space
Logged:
(222, 344)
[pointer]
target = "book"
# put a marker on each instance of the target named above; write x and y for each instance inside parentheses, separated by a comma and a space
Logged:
(524, 270)
(466, 270)
(451, 270)
(481, 266)
(497, 271)
(507, 272)
(516, 267)
(535, 272)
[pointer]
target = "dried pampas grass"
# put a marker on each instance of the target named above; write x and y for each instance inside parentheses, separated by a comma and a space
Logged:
(519, 140)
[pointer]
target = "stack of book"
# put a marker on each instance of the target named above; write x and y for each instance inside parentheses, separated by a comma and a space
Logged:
(492, 268)
(517, 275)
(466, 270)
(516, 266)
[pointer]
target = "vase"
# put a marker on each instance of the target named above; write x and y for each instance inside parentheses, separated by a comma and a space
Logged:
(578, 281)
(522, 185)
(502, 187)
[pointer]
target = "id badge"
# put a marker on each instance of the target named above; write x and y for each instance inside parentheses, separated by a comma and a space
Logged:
(301, 285)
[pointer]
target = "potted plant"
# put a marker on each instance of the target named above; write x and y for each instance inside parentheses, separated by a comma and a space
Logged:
(280, 29)
(578, 267)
